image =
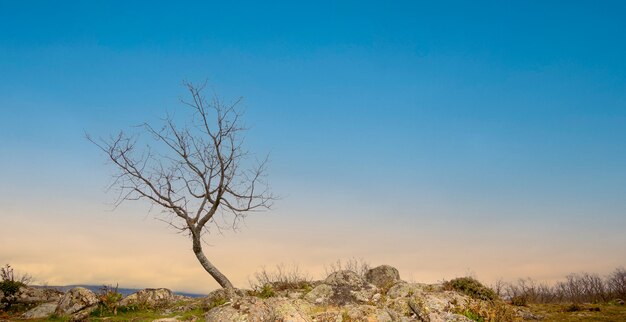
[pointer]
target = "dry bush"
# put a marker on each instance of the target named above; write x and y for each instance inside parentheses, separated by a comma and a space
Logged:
(492, 311)
(616, 283)
(576, 288)
(526, 291)
(499, 287)
(109, 297)
(359, 266)
(8, 274)
(584, 287)
(282, 278)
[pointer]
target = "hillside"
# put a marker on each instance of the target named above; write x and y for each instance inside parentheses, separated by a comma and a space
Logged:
(377, 294)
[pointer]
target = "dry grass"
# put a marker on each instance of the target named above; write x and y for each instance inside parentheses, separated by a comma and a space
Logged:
(282, 278)
(585, 312)
(359, 266)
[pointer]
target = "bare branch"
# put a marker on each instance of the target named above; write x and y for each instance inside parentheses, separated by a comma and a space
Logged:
(191, 170)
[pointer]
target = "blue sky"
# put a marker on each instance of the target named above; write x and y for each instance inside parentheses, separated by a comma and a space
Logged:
(481, 121)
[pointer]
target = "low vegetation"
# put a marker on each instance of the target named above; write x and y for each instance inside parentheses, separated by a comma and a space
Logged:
(358, 266)
(575, 288)
(109, 300)
(471, 287)
(10, 283)
(579, 297)
(281, 279)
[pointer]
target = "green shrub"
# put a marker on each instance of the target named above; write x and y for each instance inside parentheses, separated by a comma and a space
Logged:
(266, 292)
(109, 300)
(471, 287)
(218, 301)
(9, 288)
(473, 316)
(345, 317)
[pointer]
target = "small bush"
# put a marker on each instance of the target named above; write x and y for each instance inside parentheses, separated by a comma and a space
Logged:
(281, 279)
(471, 287)
(345, 317)
(109, 299)
(10, 284)
(492, 311)
(218, 301)
(358, 266)
(573, 308)
(520, 300)
(9, 288)
(266, 291)
(129, 308)
(7, 273)
(616, 283)
(473, 316)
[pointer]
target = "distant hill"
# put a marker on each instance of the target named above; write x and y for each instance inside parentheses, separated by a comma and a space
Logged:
(123, 291)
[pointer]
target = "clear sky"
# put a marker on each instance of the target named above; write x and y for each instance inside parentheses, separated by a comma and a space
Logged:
(443, 138)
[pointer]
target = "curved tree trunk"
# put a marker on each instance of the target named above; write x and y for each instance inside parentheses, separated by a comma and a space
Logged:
(210, 268)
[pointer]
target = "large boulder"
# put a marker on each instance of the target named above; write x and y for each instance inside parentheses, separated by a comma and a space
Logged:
(345, 278)
(340, 288)
(226, 313)
(41, 311)
(404, 289)
(150, 297)
(242, 309)
(289, 310)
(77, 303)
(366, 313)
(383, 276)
(321, 294)
(256, 309)
(30, 295)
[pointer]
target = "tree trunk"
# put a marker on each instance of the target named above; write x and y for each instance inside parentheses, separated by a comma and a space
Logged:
(212, 270)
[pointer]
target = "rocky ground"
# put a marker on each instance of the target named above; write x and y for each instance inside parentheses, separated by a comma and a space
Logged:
(380, 295)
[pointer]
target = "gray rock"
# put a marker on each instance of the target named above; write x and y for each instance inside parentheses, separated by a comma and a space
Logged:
(527, 315)
(41, 311)
(345, 278)
(286, 310)
(75, 300)
(150, 297)
(383, 276)
(321, 294)
(226, 313)
(30, 295)
(405, 290)
(255, 309)
(340, 288)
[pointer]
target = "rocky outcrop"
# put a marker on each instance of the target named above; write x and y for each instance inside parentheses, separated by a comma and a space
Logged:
(340, 288)
(41, 311)
(77, 304)
(31, 295)
(150, 297)
(380, 295)
(255, 309)
(383, 276)
(346, 296)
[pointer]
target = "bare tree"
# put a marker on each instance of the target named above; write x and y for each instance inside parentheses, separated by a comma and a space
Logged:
(192, 171)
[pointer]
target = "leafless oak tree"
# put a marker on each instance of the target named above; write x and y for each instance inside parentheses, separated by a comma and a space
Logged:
(193, 171)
